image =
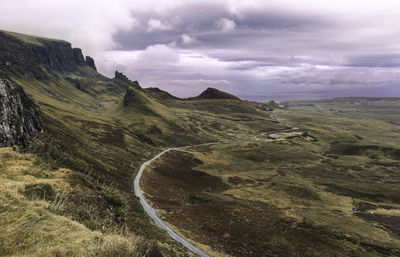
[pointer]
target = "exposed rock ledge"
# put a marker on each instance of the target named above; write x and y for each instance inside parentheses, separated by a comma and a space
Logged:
(19, 117)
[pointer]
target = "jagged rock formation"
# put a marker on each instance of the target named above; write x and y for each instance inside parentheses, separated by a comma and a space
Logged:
(129, 97)
(122, 79)
(90, 63)
(212, 93)
(21, 54)
(78, 56)
(121, 76)
(19, 117)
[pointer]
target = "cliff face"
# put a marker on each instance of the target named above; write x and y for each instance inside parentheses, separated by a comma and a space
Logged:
(24, 55)
(90, 63)
(78, 56)
(19, 117)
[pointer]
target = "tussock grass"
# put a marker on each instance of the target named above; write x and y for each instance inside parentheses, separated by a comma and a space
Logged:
(32, 224)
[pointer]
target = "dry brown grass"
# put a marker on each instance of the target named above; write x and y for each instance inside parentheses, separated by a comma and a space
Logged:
(30, 223)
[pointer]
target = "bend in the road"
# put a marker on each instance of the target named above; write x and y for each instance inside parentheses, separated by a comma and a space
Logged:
(152, 212)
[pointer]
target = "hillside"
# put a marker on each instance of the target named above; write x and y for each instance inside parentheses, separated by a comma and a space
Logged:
(95, 132)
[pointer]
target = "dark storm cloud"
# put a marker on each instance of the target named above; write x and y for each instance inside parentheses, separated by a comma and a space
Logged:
(194, 18)
(253, 29)
(385, 60)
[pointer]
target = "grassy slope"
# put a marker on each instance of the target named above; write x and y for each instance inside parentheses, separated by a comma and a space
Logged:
(33, 199)
(92, 146)
(101, 156)
(27, 39)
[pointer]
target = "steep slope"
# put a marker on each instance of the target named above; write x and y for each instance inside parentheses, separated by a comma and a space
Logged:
(78, 134)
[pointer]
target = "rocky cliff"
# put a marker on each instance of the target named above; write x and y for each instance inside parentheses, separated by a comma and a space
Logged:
(19, 117)
(120, 78)
(90, 62)
(21, 54)
(78, 56)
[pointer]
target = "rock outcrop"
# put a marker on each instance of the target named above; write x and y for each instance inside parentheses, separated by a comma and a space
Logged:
(120, 78)
(130, 97)
(136, 98)
(90, 63)
(19, 117)
(78, 56)
(30, 56)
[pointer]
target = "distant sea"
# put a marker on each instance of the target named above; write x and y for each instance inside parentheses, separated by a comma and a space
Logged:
(287, 97)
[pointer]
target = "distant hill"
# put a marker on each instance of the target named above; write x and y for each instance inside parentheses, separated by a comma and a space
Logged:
(213, 93)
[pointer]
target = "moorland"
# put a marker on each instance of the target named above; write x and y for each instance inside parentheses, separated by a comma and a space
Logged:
(327, 185)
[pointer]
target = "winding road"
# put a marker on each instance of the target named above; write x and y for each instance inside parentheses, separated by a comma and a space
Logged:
(152, 212)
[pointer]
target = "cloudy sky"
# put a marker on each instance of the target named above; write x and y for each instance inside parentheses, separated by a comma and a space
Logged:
(280, 49)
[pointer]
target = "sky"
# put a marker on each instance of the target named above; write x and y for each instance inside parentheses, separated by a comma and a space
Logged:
(256, 49)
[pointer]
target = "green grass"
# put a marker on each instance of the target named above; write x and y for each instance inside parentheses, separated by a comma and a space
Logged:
(27, 39)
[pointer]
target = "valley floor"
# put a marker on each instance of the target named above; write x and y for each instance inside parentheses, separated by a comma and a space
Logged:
(322, 191)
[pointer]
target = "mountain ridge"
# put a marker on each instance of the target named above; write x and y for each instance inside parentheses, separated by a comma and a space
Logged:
(28, 55)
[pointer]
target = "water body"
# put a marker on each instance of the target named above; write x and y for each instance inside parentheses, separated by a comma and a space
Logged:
(275, 136)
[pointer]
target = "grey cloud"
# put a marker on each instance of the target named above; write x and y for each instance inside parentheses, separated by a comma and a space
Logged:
(376, 60)
(274, 47)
